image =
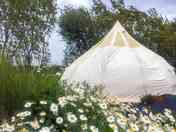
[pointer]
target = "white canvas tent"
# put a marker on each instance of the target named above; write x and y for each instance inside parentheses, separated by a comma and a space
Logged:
(124, 67)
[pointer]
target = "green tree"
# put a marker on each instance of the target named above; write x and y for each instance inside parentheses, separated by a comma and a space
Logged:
(167, 40)
(149, 28)
(24, 27)
(78, 30)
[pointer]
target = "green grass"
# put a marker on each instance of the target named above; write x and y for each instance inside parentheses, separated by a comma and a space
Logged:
(18, 85)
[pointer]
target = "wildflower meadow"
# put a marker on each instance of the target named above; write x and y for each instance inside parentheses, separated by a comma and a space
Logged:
(84, 109)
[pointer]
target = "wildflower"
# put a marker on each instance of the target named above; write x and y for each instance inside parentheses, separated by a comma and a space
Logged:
(133, 110)
(73, 104)
(43, 102)
(51, 127)
(38, 71)
(132, 116)
(121, 122)
(151, 116)
(154, 128)
(27, 113)
(103, 105)
(20, 124)
(80, 111)
(43, 113)
(119, 115)
(145, 119)
(72, 98)
(7, 128)
(19, 114)
(13, 119)
(80, 91)
(54, 108)
(83, 117)
(145, 110)
(87, 104)
(24, 114)
(106, 113)
(28, 105)
(111, 119)
(167, 111)
(117, 11)
(58, 74)
(84, 126)
(71, 118)
(59, 120)
(168, 114)
(171, 118)
(42, 120)
(94, 129)
(134, 127)
(93, 99)
(44, 129)
(62, 101)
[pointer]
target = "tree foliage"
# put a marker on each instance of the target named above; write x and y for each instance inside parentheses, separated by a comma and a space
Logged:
(24, 26)
(83, 28)
(78, 30)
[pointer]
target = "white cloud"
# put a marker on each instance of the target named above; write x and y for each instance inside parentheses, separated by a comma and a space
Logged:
(75, 2)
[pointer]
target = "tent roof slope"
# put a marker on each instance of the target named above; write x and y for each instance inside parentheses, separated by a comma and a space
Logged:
(119, 38)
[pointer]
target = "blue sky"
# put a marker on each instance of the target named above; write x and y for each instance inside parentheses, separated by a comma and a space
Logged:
(57, 45)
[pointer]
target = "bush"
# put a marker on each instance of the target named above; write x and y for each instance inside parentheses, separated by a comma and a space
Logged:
(82, 109)
(159, 103)
(79, 110)
(18, 85)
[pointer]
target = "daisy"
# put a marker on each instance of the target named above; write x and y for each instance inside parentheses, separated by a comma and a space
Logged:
(43, 102)
(59, 120)
(43, 113)
(54, 108)
(94, 129)
(80, 110)
(44, 129)
(71, 118)
(58, 74)
(103, 105)
(83, 117)
(28, 105)
(111, 119)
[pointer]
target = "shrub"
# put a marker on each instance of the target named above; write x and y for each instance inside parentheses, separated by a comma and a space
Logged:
(82, 109)
(18, 85)
(79, 110)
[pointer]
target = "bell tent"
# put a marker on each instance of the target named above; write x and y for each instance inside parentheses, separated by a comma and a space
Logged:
(124, 67)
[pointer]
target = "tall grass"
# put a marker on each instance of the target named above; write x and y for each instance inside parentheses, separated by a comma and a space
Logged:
(18, 85)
